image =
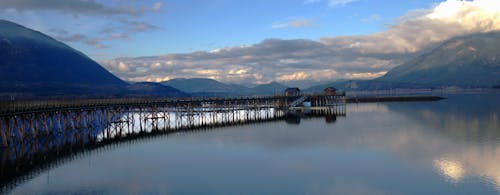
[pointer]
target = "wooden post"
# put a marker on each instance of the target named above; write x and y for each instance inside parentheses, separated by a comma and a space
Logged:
(3, 133)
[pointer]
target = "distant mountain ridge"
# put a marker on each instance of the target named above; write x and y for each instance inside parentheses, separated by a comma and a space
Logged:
(32, 63)
(211, 87)
(204, 85)
(153, 90)
(470, 61)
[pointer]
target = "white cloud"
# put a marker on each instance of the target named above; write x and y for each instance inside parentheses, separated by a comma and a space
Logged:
(69, 6)
(295, 23)
(331, 3)
(157, 6)
(348, 57)
(335, 3)
(372, 18)
(420, 29)
(293, 76)
(365, 75)
(311, 1)
(94, 23)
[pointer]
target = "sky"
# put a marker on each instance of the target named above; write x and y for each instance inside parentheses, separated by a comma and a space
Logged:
(252, 41)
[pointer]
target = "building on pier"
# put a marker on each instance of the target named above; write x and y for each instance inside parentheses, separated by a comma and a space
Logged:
(330, 90)
(292, 91)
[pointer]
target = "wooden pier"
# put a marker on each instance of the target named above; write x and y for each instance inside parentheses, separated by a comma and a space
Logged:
(35, 131)
(102, 119)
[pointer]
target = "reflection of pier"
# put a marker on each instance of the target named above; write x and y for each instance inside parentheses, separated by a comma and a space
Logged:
(34, 132)
(294, 116)
(90, 120)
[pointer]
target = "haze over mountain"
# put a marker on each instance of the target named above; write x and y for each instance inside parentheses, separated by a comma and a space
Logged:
(32, 63)
(470, 61)
(150, 89)
(204, 86)
(211, 87)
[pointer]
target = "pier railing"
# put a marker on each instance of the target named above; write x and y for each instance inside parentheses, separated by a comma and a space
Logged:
(18, 107)
(22, 107)
(32, 129)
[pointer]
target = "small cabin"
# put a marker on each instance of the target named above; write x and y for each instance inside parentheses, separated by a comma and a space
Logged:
(330, 91)
(294, 91)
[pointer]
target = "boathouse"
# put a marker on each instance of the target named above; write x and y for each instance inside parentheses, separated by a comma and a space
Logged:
(293, 91)
(330, 91)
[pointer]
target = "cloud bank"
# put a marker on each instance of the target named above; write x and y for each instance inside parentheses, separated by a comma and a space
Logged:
(331, 58)
(421, 28)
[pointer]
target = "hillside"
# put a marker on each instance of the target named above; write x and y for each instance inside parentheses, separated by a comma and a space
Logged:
(30, 57)
(470, 61)
(203, 85)
(270, 88)
(34, 65)
(210, 87)
(365, 85)
(153, 90)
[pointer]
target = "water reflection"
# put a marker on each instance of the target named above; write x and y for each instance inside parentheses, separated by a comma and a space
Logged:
(470, 126)
(294, 118)
(29, 156)
(446, 147)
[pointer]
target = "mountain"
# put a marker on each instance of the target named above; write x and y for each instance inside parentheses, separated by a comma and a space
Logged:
(471, 61)
(203, 86)
(153, 90)
(211, 87)
(30, 57)
(365, 85)
(34, 65)
(269, 89)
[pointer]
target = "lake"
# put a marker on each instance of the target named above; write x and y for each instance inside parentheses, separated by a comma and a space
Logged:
(445, 147)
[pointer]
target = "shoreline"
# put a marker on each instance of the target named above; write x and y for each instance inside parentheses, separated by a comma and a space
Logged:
(369, 99)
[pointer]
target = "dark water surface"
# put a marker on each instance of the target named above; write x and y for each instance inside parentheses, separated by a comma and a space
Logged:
(446, 147)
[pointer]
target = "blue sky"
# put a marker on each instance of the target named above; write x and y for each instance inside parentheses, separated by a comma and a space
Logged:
(205, 25)
(253, 41)
(194, 25)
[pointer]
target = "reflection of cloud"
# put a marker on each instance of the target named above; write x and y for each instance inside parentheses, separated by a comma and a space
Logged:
(364, 108)
(386, 135)
(399, 129)
(482, 162)
(452, 169)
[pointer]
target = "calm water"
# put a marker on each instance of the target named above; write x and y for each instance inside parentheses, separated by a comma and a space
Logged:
(445, 147)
